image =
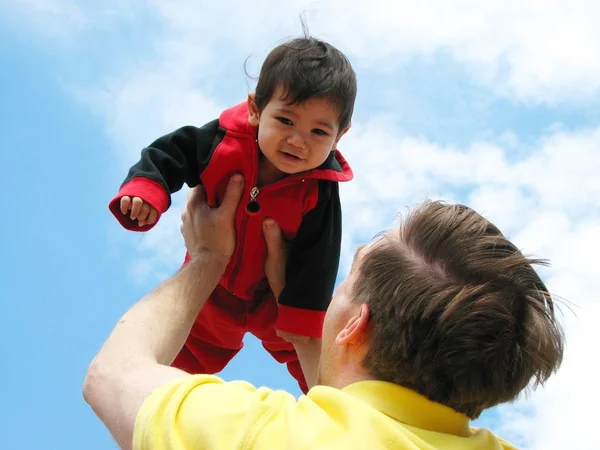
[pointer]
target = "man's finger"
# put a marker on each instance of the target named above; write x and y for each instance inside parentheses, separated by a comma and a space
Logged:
(233, 193)
(196, 196)
(274, 240)
(275, 263)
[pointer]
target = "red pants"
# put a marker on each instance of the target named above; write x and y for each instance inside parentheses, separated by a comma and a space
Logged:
(217, 335)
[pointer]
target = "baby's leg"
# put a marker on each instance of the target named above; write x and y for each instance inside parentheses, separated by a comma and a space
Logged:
(216, 336)
(261, 323)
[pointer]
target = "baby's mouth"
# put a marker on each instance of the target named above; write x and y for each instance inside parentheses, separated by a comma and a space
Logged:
(291, 155)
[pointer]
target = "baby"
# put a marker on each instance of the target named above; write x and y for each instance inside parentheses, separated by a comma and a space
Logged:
(283, 140)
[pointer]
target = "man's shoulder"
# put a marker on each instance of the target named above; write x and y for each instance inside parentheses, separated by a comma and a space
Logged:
(506, 445)
(493, 437)
(204, 411)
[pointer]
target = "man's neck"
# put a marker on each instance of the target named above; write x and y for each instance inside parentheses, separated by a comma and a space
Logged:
(348, 375)
(344, 381)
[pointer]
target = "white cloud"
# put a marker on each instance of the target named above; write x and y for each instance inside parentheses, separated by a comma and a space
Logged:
(534, 51)
(160, 251)
(56, 12)
(144, 106)
(528, 50)
(556, 181)
(54, 20)
(65, 22)
(537, 51)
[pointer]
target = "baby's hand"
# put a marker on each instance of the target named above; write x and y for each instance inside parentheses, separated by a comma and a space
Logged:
(140, 210)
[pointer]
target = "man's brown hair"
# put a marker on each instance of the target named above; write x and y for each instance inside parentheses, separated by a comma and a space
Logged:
(457, 312)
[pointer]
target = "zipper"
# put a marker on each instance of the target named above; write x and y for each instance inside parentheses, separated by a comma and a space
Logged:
(252, 208)
(242, 234)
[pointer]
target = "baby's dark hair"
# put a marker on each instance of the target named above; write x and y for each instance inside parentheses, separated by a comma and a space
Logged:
(305, 68)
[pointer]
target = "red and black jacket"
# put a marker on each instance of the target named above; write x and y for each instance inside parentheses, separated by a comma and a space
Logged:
(306, 206)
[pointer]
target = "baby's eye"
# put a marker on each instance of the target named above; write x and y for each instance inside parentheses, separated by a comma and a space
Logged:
(319, 132)
(284, 121)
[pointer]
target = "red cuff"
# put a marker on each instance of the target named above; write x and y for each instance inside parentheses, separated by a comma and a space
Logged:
(303, 322)
(148, 190)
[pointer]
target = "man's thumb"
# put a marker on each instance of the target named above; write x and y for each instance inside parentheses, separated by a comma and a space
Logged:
(273, 235)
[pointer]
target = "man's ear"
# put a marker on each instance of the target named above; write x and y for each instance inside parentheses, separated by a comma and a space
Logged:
(340, 134)
(355, 331)
(253, 113)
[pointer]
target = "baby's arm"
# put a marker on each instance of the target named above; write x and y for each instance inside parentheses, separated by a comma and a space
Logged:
(308, 349)
(311, 269)
(164, 166)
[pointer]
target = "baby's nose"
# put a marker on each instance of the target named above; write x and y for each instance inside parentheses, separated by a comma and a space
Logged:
(297, 140)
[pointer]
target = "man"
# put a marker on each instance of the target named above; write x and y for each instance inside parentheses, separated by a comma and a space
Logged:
(438, 320)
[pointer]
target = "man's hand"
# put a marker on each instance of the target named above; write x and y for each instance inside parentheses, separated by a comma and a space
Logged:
(209, 230)
(276, 256)
(275, 270)
(135, 359)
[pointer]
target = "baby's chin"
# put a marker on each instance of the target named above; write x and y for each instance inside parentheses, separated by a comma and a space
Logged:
(289, 172)
(291, 168)
(287, 165)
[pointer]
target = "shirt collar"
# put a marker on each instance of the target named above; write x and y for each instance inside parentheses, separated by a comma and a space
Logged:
(409, 407)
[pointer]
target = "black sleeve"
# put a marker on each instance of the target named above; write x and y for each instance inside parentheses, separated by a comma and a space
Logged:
(314, 255)
(178, 157)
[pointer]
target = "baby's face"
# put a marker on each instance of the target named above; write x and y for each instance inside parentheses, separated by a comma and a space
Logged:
(296, 138)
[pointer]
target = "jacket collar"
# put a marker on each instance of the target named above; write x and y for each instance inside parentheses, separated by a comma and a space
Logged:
(335, 167)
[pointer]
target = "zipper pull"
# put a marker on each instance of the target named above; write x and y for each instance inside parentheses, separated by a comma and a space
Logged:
(253, 207)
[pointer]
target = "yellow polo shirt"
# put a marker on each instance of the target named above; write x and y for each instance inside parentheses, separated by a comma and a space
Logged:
(204, 412)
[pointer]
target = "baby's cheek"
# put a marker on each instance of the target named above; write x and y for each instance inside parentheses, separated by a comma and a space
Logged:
(320, 156)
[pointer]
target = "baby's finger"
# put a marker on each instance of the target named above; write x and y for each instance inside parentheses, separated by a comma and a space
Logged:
(136, 207)
(152, 217)
(143, 214)
(125, 204)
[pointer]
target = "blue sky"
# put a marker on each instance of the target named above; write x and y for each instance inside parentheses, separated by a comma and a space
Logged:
(63, 290)
(495, 119)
